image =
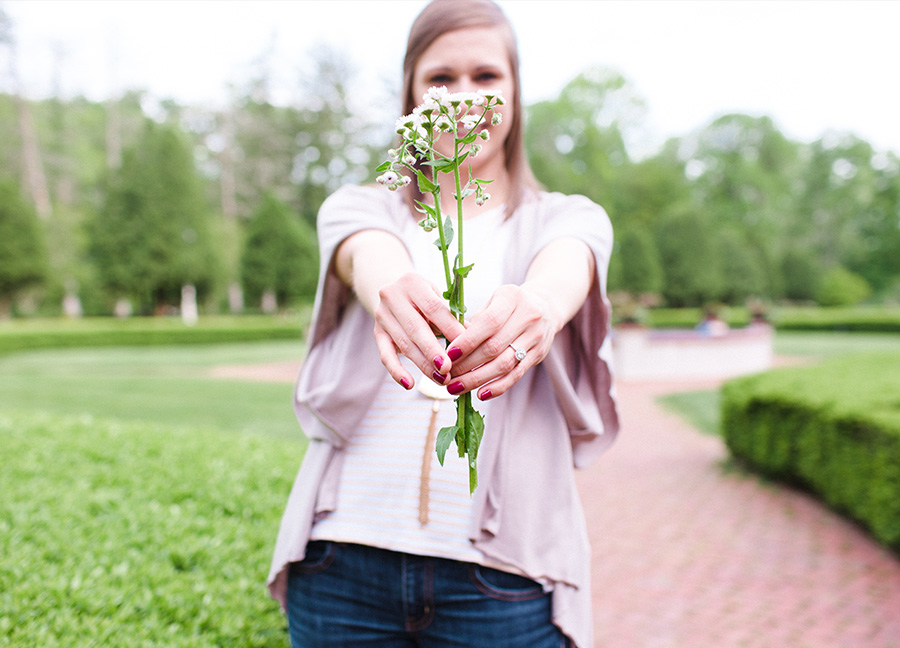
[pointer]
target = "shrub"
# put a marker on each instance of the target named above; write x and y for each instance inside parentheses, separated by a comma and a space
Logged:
(116, 534)
(833, 429)
(840, 287)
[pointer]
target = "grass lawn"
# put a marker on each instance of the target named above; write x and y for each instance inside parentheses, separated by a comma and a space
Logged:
(165, 385)
(140, 497)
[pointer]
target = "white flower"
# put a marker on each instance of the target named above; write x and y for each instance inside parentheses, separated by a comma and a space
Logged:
(475, 149)
(484, 135)
(388, 178)
(496, 118)
(478, 100)
(491, 95)
(469, 122)
(428, 108)
(435, 93)
(481, 198)
(444, 123)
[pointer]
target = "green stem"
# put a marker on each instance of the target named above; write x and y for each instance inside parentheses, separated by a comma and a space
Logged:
(448, 275)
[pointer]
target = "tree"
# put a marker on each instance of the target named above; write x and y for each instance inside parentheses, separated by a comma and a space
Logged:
(691, 262)
(153, 234)
(22, 247)
(280, 254)
(637, 269)
(577, 142)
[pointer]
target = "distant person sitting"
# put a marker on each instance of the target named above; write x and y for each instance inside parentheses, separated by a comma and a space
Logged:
(712, 325)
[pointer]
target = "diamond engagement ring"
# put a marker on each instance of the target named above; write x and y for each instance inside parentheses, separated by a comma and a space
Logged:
(520, 353)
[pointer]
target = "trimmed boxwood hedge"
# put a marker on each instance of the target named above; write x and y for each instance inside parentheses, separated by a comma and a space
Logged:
(833, 429)
(17, 335)
(855, 318)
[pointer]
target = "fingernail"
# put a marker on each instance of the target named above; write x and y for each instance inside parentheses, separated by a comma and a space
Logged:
(405, 383)
(438, 361)
(485, 394)
(454, 353)
(455, 388)
(438, 378)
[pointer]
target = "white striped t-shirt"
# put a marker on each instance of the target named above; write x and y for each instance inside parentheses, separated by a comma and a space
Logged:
(380, 495)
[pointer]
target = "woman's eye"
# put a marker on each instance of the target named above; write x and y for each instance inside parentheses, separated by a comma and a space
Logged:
(487, 76)
(440, 78)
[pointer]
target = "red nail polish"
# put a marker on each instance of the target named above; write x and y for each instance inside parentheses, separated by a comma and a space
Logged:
(405, 383)
(438, 378)
(454, 353)
(455, 388)
(438, 361)
(485, 394)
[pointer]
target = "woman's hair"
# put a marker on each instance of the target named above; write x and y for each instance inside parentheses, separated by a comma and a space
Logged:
(435, 20)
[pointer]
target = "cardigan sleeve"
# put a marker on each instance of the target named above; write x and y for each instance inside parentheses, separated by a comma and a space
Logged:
(332, 394)
(579, 363)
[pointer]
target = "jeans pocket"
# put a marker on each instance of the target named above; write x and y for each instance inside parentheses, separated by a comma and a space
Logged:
(319, 556)
(504, 586)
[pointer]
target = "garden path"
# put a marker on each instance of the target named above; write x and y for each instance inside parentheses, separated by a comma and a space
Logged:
(690, 552)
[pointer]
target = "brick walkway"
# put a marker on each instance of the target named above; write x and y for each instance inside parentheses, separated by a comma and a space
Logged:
(689, 553)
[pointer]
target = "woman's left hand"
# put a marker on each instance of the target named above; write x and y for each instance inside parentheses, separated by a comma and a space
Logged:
(522, 318)
(513, 318)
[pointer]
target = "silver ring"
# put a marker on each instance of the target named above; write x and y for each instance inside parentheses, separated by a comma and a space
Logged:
(520, 353)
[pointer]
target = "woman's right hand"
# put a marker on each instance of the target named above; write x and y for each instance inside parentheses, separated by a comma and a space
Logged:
(409, 313)
(409, 316)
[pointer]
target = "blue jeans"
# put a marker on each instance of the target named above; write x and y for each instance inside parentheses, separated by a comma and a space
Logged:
(353, 596)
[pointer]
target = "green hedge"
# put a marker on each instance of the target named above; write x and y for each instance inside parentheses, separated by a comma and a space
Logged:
(35, 333)
(858, 318)
(789, 318)
(833, 429)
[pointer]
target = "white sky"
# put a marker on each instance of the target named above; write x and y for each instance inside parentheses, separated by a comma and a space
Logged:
(811, 65)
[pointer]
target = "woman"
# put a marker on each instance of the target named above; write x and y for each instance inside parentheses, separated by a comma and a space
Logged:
(379, 545)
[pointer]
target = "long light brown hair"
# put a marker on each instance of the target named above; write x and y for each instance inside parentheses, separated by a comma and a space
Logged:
(435, 20)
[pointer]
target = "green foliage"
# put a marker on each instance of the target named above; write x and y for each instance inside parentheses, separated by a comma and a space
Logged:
(858, 318)
(691, 261)
(22, 245)
(576, 143)
(743, 275)
(154, 235)
(637, 259)
(840, 287)
(280, 254)
(129, 534)
(834, 429)
(801, 274)
(144, 331)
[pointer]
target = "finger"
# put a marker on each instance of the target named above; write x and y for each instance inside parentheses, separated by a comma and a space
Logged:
(410, 311)
(486, 336)
(390, 358)
(497, 376)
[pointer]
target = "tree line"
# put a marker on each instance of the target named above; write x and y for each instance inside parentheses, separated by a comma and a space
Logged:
(122, 205)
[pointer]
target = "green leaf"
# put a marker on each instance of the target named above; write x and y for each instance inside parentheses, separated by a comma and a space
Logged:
(444, 437)
(422, 208)
(384, 166)
(463, 272)
(425, 185)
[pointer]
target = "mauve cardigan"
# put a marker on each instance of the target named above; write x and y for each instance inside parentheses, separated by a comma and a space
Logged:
(561, 415)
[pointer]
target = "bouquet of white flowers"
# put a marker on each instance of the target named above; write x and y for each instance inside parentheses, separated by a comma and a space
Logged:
(458, 115)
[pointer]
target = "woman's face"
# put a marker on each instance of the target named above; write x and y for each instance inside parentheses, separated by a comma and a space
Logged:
(466, 60)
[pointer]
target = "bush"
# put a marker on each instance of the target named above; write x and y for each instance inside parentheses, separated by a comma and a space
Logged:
(141, 331)
(840, 287)
(833, 429)
(117, 534)
(859, 318)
